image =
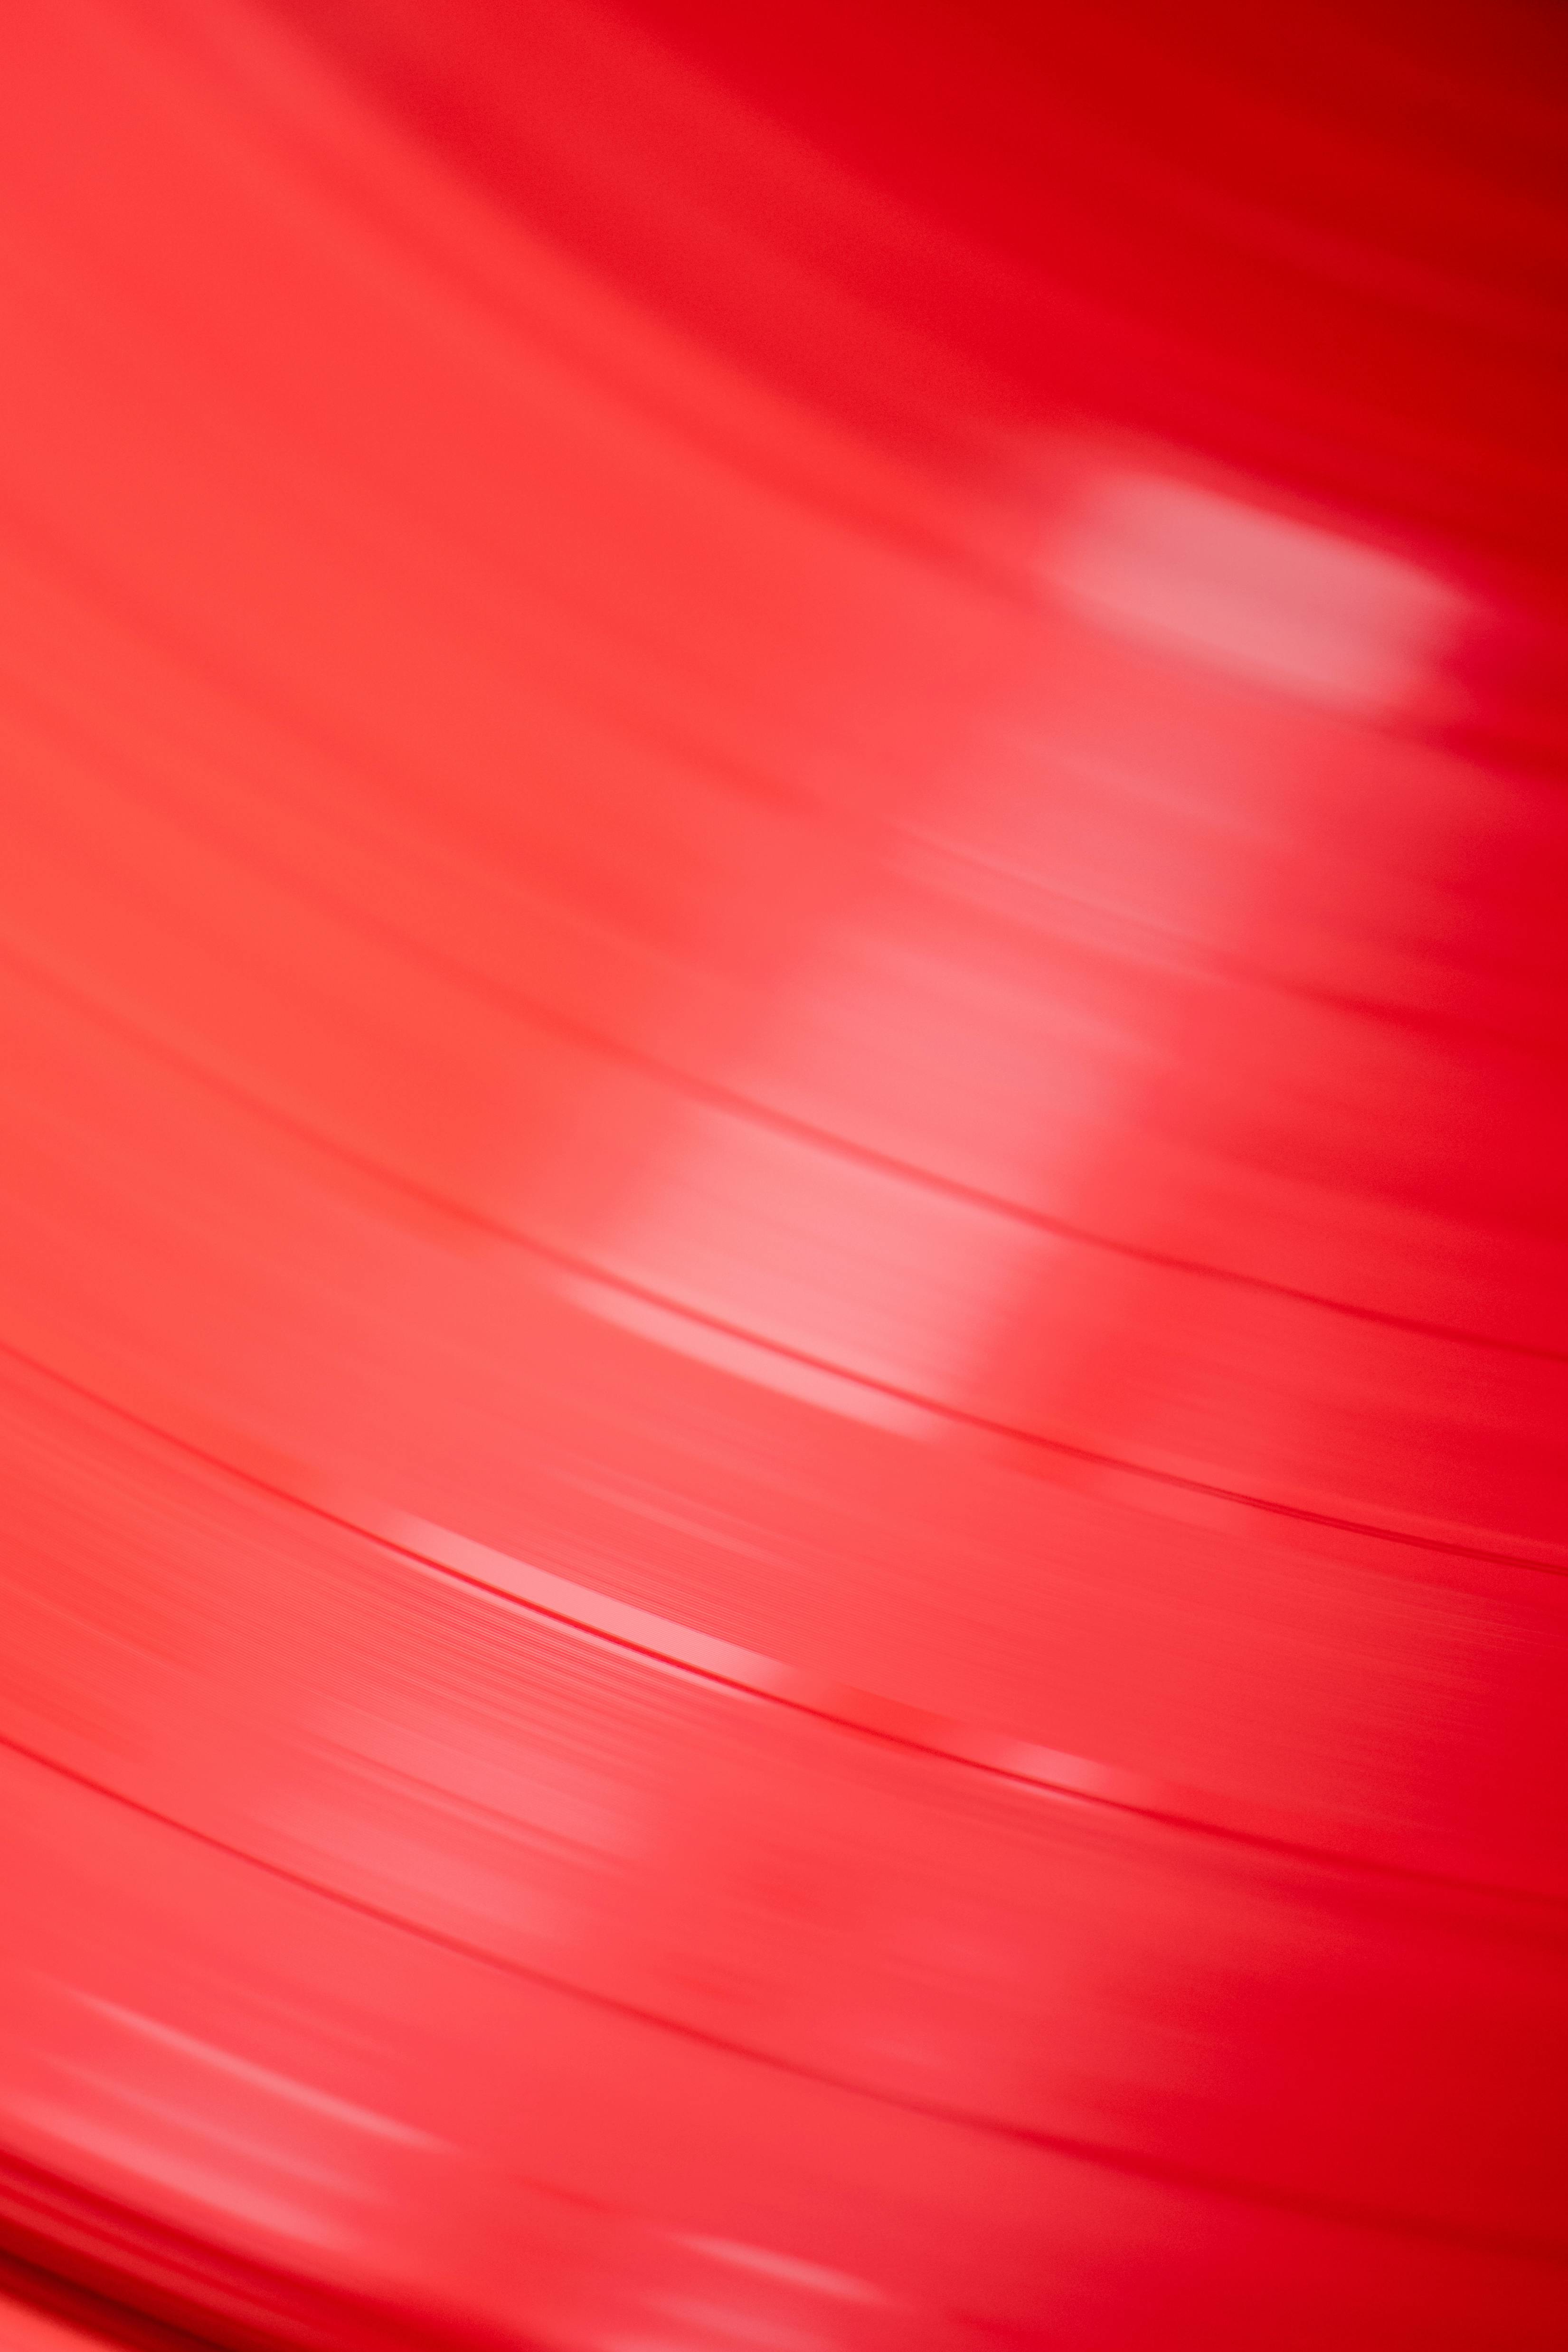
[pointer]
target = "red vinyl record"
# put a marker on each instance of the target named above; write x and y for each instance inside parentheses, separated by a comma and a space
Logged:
(783, 1352)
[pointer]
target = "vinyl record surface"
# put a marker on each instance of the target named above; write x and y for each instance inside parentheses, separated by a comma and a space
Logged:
(785, 1305)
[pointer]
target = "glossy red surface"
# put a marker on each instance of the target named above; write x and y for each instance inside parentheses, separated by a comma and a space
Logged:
(782, 1360)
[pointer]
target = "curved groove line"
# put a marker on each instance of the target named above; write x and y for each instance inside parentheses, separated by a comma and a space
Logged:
(460, 1212)
(402, 230)
(683, 1651)
(1127, 2162)
(535, 1013)
(688, 1084)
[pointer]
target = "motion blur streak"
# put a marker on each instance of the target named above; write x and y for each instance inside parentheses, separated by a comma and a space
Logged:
(785, 1339)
